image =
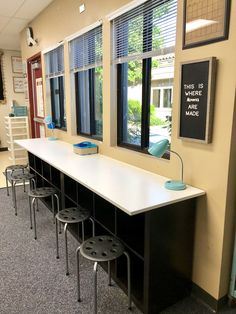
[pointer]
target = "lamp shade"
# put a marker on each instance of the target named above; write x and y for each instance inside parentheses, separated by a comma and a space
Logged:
(158, 149)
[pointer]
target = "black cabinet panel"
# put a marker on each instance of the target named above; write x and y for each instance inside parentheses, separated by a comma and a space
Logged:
(31, 160)
(55, 177)
(46, 171)
(131, 230)
(85, 197)
(39, 180)
(70, 187)
(104, 213)
(69, 203)
(169, 254)
(38, 165)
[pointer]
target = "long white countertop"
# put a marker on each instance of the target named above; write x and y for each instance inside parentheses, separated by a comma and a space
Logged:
(130, 188)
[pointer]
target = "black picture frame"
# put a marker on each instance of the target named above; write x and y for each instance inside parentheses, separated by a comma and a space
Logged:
(197, 95)
(200, 27)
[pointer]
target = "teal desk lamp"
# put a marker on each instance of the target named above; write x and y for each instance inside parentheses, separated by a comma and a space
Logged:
(51, 125)
(158, 149)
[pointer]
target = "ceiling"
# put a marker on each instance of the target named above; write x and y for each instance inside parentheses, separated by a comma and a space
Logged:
(14, 16)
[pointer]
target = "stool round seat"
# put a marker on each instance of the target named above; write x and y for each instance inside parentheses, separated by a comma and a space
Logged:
(21, 176)
(102, 248)
(42, 192)
(16, 167)
(73, 215)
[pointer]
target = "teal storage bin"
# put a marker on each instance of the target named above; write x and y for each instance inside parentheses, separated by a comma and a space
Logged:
(85, 148)
(20, 111)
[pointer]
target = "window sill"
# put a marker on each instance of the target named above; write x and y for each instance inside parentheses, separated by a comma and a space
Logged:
(61, 129)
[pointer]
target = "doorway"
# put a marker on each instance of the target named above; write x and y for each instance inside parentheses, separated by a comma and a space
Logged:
(35, 84)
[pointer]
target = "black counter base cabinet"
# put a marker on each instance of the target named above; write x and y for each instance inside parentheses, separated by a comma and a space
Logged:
(160, 241)
(169, 239)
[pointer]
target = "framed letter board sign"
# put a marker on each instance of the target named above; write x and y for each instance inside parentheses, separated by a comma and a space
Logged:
(197, 99)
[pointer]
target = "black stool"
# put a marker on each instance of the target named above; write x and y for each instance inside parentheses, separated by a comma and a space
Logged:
(18, 177)
(10, 169)
(41, 193)
(102, 249)
(70, 216)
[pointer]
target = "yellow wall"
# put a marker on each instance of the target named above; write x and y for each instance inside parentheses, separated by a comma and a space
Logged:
(206, 165)
(19, 98)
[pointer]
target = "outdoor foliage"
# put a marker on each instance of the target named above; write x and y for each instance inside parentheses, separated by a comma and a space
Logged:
(134, 119)
(137, 34)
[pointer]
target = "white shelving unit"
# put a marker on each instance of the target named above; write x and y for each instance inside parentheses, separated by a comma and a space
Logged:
(17, 128)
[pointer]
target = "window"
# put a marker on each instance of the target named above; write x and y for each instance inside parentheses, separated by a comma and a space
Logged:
(143, 53)
(87, 71)
(54, 60)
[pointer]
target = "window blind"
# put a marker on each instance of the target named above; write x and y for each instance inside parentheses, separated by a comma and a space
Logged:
(55, 62)
(86, 50)
(145, 31)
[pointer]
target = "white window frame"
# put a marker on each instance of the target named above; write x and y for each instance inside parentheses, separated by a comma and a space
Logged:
(162, 88)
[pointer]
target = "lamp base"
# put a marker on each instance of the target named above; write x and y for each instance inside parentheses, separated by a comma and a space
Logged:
(52, 138)
(175, 185)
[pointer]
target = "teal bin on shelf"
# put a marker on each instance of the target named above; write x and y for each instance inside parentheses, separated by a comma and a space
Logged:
(20, 111)
(85, 148)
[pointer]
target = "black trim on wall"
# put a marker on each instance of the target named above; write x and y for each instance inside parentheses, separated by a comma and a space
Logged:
(3, 149)
(1, 83)
(146, 91)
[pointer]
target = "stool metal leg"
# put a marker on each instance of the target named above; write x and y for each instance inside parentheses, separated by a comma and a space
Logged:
(58, 203)
(78, 274)
(33, 207)
(66, 249)
(53, 208)
(24, 184)
(30, 212)
(93, 225)
(95, 286)
(14, 197)
(109, 273)
(12, 193)
(33, 183)
(57, 245)
(58, 209)
(7, 183)
(82, 231)
(128, 280)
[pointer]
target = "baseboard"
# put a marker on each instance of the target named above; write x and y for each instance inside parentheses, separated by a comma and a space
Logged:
(3, 149)
(214, 304)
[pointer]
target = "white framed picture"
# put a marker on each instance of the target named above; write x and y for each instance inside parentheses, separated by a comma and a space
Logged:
(16, 63)
(18, 84)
